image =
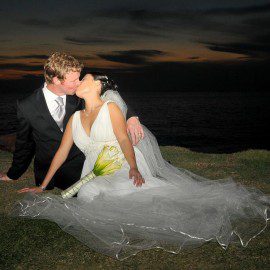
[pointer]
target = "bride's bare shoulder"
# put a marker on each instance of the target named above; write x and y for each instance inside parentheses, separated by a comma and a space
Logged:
(113, 106)
(115, 111)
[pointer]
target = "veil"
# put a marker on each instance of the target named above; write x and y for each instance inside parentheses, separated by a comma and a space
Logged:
(189, 211)
(115, 96)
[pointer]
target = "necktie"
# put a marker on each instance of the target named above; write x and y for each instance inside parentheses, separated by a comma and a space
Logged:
(59, 112)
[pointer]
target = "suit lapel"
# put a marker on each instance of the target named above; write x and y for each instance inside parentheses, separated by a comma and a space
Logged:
(71, 105)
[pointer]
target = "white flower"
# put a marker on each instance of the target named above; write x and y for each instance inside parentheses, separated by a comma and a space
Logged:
(109, 160)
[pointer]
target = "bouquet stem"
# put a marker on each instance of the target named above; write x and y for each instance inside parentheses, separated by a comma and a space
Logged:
(72, 190)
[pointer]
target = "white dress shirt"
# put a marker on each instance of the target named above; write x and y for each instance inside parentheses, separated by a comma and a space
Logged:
(50, 98)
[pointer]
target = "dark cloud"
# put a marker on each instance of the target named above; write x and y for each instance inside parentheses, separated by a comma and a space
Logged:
(91, 40)
(86, 57)
(135, 31)
(127, 25)
(243, 25)
(200, 21)
(245, 10)
(35, 22)
(142, 23)
(249, 49)
(64, 22)
(179, 14)
(138, 15)
(255, 45)
(261, 23)
(116, 26)
(135, 57)
(19, 66)
(166, 23)
(31, 56)
(252, 31)
(43, 57)
(152, 19)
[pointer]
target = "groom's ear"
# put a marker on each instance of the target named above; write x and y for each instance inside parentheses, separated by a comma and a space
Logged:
(56, 81)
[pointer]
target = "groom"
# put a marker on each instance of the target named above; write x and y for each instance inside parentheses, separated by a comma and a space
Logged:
(42, 118)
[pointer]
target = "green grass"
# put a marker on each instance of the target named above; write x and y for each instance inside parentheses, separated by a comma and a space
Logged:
(40, 244)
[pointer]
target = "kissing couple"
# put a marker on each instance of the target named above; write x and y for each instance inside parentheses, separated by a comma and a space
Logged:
(145, 203)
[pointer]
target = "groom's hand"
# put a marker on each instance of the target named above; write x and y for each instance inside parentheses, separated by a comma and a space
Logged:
(135, 129)
(4, 177)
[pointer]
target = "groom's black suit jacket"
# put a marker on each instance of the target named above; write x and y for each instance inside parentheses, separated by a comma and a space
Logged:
(38, 135)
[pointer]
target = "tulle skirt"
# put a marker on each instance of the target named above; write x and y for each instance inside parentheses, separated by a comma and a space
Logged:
(187, 211)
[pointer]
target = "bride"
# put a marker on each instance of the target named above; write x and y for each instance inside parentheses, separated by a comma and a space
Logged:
(148, 203)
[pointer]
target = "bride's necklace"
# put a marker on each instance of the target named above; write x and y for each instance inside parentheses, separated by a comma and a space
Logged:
(88, 113)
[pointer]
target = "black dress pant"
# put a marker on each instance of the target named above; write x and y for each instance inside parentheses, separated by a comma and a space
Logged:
(66, 175)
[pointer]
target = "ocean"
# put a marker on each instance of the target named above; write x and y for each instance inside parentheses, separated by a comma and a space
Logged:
(217, 122)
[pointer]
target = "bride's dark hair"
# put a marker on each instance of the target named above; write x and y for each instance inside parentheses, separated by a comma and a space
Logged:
(106, 82)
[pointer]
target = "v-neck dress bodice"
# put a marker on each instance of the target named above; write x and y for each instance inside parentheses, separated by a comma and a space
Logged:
(101, 134)
(101, 131)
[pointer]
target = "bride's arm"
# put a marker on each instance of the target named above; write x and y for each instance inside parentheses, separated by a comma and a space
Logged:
(59, 158)
(120, 131)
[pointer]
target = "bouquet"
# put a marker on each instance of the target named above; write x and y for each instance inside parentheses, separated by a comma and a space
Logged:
(109, 160)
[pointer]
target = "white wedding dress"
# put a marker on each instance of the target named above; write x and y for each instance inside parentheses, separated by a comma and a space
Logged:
(102, 134)
(174, 209)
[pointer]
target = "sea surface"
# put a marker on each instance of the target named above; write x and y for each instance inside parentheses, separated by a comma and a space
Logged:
(215, 122)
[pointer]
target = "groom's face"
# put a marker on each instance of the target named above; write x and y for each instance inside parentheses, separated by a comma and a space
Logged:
(70, 83)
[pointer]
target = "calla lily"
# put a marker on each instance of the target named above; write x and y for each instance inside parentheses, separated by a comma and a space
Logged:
(109, 160)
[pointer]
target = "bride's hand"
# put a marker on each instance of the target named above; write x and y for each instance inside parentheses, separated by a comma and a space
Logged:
(33, 189)
(136, 176)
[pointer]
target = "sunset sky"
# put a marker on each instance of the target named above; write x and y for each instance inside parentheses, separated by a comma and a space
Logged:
(127, 35)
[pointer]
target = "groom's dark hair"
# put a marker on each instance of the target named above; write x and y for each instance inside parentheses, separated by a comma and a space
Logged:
(106, 82)
(59, 64)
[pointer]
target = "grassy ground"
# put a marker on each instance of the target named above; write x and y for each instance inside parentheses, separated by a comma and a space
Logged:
(40, 244)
